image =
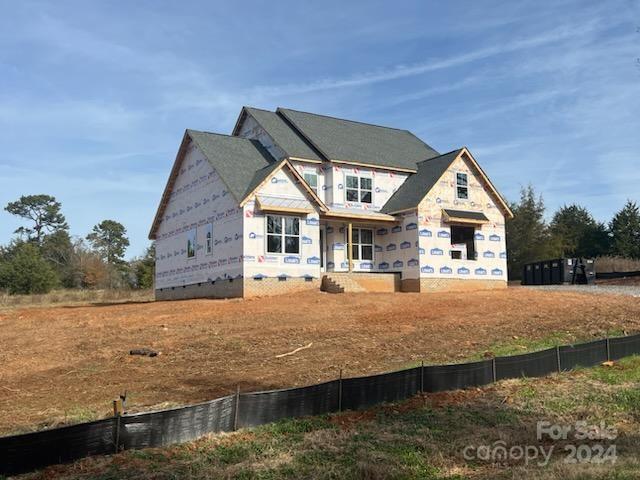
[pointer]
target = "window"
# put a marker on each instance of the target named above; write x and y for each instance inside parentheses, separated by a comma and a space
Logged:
(209, 238)
(312, 180)
(362, 244)
(462, 186)
(463, 245)
(283, 234)
(191, 243)
(359, 189)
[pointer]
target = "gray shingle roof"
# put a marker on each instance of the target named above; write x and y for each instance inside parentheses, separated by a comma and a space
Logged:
(351, 141)
(286, 137)
(413, 190)
(466, 215)
(241, 163)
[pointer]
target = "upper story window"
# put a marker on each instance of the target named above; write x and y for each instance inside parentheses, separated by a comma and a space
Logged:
(312, 180)
(462, 186)
(283, 234)
(359, 189)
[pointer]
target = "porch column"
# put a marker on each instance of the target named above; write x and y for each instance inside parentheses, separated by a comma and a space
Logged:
(349, 249)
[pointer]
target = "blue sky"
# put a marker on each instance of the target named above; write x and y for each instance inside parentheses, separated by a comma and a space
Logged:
(95, 96)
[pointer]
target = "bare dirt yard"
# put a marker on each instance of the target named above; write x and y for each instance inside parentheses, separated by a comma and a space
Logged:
(65, 364)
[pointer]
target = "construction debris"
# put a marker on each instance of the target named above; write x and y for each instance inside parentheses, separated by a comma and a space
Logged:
(147, 352)
(292, 352)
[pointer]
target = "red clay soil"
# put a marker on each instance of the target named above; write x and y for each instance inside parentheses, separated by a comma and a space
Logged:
(66, 364)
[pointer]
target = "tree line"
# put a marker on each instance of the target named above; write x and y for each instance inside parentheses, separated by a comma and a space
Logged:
(571, 232)
(44, 256)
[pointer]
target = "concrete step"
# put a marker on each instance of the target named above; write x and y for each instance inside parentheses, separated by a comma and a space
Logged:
(339, 282)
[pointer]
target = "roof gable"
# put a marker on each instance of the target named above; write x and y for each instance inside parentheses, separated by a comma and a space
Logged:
(417, 186)
(281, 132)
(356, 142)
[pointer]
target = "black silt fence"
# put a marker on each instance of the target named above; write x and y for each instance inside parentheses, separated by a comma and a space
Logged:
(624, 346)
(456, 376)
(155, 429)
(258, 408)
(363, 392)
(535, 364)
(29, 451)
(583, 354)
(26, 452)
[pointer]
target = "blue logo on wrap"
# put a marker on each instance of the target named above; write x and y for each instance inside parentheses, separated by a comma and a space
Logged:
(444, 234)
(494, 238)
(425, 233)
(312, 221)
(480, 271)
(478, 236)
(378, 248)
(413, 263)
(259, 276)
(382, 231)
(437, 251)
(397, 264)
(391, 247)
(383, 266)
(446, 270)
(338, 246)
(329, 229)
(421, 251)
(489, 254)
(330, 264)
(366, 265)
(463, 271)
(411, 226)
(396, 229)
(404, 245)
(503, 254)
(496, 272)
(427, 269)
(306, 241)
(313, 261)
(291, 259)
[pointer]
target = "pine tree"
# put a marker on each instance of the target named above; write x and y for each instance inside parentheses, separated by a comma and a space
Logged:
(625, 230)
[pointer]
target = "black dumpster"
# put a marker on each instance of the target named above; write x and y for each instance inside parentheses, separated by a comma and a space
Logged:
(546, 273)
(537, 273)
(556, 271)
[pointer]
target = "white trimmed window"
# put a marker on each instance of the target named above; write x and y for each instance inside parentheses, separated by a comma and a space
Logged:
(283, 234)
(359, 189)
(208, 240)
(312, 180)
(362, 244)
(462, 186)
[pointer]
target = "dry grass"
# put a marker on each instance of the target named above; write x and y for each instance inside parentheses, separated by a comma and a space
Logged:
(616, 264)
(62, 364)
(69, 296)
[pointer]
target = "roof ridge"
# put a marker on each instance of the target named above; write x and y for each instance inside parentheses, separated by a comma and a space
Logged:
(440, 155)
(216, 133)
(348, 120)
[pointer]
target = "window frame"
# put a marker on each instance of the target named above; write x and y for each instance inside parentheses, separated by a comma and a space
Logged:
(359, 188)
(359, 245)
(194, 232)
(311, 174)
(208, 240)
(283, 235)
(458, 185)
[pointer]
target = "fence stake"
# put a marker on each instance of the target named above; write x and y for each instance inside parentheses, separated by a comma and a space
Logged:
(493, 369)
(340, 392)
(608, 350)
(422, 376)
(236, 408)
(117, 412)
(558, 358)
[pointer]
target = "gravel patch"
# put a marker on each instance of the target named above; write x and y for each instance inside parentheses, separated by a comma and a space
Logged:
(632, 291)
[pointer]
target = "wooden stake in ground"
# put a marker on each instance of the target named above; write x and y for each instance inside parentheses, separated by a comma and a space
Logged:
(292, 352)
